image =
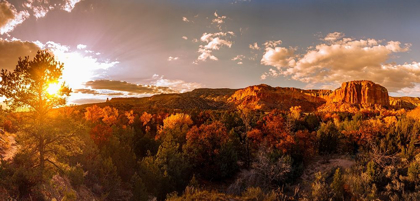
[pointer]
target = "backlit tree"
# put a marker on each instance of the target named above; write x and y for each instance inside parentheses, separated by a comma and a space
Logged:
(28, 88)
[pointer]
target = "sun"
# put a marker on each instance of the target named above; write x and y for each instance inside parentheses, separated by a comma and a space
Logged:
(53, 88)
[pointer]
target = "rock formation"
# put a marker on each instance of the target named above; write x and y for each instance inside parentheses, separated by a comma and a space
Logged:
(266, 98)
(360, 92)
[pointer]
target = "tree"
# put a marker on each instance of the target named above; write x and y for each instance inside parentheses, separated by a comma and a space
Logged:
(206, 146)
(337, 185)
(27, 87)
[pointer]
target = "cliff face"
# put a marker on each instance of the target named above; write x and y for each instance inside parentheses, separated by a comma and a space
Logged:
(360, 92)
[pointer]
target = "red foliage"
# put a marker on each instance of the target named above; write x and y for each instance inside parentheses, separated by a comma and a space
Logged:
(204, 142)
(100, 134)
(273, 132)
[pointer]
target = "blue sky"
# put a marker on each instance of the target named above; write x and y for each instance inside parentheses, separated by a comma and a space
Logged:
(171, 46)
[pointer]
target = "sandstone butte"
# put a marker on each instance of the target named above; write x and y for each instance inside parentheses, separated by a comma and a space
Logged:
(361, 92)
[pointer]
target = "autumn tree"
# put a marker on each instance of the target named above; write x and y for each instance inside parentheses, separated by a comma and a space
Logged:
(176, 127)
(26, 87)
(209, 151)
(273, 132)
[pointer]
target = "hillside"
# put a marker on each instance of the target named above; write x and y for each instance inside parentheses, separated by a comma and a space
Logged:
(350, 96)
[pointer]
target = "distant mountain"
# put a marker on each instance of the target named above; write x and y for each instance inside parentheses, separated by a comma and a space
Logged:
(353, 94)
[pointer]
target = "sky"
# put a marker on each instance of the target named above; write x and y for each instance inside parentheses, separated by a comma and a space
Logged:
(137, 48)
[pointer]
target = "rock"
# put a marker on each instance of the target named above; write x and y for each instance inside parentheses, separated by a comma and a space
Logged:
(360, 92)
(404, 102)
(267, 98)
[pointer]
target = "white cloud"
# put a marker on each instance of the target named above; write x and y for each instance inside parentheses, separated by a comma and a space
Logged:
(40, 12)
(254, 46)
(184, 37)
(218, 21)
(176, 85)
(172, 58)
(10, 17)
(272, 43)
(343, 59)
(214, 41)
(239, 59)
(334, 36)
(185, 19)
(270, 73)
(69, 5)
(81, 46)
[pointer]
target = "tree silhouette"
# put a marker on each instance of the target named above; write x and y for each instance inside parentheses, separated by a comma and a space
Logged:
(26, 88)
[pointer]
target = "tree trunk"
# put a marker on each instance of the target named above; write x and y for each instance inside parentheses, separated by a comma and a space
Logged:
(41, 159)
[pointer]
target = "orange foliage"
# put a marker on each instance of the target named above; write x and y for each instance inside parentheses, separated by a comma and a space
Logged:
(273, 132)
(9, 127)
(130, 116)
(110, 115)
(93, 113)
(205, 141)
(145, 118)
(100, 133)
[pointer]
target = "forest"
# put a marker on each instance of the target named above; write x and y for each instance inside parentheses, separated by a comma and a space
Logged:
(51, 151)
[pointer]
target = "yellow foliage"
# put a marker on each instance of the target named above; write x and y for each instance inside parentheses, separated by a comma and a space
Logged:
(295, 112)
(415, 114)
(93, 113)
(177, 119)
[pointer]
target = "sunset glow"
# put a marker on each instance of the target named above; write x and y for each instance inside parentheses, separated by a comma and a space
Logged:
(53, 88)
(171, 100)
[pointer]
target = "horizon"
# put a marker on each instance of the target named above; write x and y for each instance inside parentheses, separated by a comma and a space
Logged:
(142, 48)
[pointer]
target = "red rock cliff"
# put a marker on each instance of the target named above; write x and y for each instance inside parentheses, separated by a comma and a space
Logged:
(360, 92)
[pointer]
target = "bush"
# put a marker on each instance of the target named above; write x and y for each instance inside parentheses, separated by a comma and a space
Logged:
(76, 176)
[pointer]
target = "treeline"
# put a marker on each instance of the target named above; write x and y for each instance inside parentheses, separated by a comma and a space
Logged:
(239, 154)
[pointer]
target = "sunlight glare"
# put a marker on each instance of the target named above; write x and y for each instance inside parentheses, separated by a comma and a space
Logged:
(53, 88)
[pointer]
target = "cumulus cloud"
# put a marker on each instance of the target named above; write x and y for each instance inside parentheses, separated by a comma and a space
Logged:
(10, 17)
(343, 59)
(40, 9)
(184, 37)
(334, 36)
(214, 41)
(175, 85)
